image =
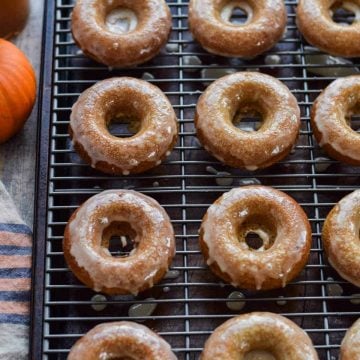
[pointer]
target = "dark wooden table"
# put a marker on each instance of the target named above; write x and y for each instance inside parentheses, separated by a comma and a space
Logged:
(18, 156)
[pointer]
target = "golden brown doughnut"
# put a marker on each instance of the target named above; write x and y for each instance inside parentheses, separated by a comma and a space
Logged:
(256, 333)
(329, 121)
(319, 29)
(350, 346)
(209, 22)
(340, 237)
(121, 340)
(121, 213)
(97, 30)
(271, 214)
(110, 99)
(241, 92)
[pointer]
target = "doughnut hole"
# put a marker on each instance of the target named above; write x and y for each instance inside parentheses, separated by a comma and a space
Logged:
(124, 119)
(352, 117)
(248, 118)
(258, 232)
(121, 20)
(120, 239)
(345, 13)
(236, 12)
(124, 126)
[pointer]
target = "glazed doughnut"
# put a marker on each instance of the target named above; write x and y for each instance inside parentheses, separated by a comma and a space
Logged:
(121, 213)
(340, 237)
(107, 101)
(276, 218)
(121, 340)
(121, 33)
(240, 92)
(329, 120)
(350, 346)
(259, 333)
(209, 22)
(319, 29)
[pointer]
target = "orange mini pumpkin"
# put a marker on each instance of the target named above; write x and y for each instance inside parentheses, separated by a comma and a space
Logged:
(17, 89)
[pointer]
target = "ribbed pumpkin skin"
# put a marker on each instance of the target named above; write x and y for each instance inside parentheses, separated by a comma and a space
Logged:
(17, 89)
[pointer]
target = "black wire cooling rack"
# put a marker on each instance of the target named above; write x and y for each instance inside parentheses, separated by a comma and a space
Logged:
(192, 301)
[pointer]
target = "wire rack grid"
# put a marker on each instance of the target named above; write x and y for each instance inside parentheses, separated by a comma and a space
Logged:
(191, 302)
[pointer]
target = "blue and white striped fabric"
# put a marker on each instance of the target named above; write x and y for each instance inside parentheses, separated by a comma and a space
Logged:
(15, 281)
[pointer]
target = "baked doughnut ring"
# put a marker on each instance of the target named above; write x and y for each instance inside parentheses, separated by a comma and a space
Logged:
(340, 237)
(109, 100)
(276, 218)
(329, 120)
(243, 92)
(258, 333)
(121, 33)
(121, 340)
(319, 29)
(209, 22)
(119, 212)
(350, 346)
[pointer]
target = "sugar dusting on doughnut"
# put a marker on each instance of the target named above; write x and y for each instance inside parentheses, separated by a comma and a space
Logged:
(154, 242)
(341, 237)
(329, 122)
(244, 334)
(260, 269)
(121, 339)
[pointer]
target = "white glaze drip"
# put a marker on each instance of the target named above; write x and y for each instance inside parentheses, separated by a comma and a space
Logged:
(234, 258)
(102, 268)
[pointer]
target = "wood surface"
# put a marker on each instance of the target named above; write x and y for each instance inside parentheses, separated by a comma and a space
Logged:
(18, 155)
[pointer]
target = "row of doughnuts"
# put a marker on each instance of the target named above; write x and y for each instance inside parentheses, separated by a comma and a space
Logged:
(275, 217)
(247, 335)
(222, 101)
(95, 28)
(257, 335)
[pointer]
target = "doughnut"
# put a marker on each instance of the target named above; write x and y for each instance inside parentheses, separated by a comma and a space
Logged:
(119, 212)
(110, 100)
(209, 22)
(350, 346)
(121, 340)
(242, 93)
(329, 119)
(314, 20)
(340, 237)
(259, 333)
(279, 222)
(121, 33)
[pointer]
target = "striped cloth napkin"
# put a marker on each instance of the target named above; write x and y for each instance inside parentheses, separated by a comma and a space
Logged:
(15, 280)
